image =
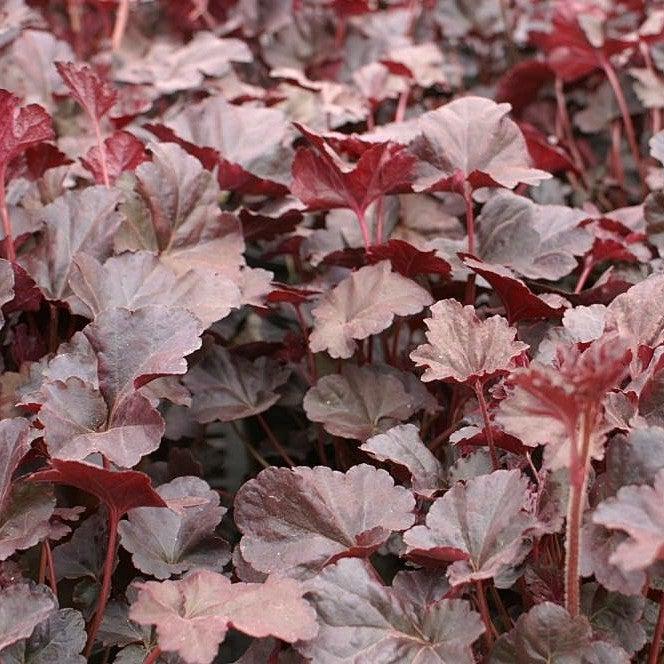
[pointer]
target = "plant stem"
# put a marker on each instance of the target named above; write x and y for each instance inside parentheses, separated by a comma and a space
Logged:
(655, 113)
(486, 616)
(10, 250)
(107, 576)
(402, 105)
(273, 439)
(653, 655)
(380, 214)
(102, 153)
(48, 554)
(612, 77)
(578, 480)
(585, 273)
(470, 230)
(479, 393)
(120, 25)
(153, 655)
(569, 132)
(313, 373)
(363, 227)
(250, 448)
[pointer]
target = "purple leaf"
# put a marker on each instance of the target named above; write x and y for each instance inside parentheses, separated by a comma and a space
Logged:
(471, 139)
(358, 403)
(547, 633)
(22, 608)
(296, 521)
(227, 387)
(481, 526)
(88, 89)
(168, 542)
(362, 620)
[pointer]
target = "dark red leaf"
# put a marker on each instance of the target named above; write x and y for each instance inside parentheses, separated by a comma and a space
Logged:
(95, 95)
(120, 491)
(123, 152)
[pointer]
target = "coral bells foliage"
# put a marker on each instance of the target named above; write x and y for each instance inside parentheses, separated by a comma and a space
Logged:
(332, 332)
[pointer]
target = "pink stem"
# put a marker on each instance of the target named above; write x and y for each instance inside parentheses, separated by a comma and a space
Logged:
(120, 26)
(402, 105)
(569, 132)
(102, 153)
(153, 655)
(365, 230)
(6, 221)
(655, 113)
(624, 111)
(46, 548)
(583, 277)
(107, 576)
(579, 467)
(479, 392)
(489, 629)
(470, 229)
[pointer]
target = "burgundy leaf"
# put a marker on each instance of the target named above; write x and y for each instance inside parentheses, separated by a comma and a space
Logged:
(322, 180)
(296, 521)
(519, 301)
(120, 491)
(95, 95)
(21, 128)
(192, 615)
(123, 152)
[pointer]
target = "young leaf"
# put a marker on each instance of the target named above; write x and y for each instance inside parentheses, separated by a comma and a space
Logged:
(123, 152)
(481, 526)
(363, 304)
(362, 620)
(168, 542)
(192, 615)
(95, 95)
(462, 348)
(323, 181)
(402, 445)
(519, 301)
(358, 403)
(296, 521)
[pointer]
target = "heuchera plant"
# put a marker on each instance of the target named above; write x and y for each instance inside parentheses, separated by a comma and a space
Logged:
(332, 331)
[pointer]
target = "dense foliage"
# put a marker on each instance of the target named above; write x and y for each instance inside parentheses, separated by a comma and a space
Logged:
(332, 331)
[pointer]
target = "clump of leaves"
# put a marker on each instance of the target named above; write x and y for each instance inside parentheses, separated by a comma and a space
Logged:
(332, 332)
